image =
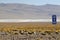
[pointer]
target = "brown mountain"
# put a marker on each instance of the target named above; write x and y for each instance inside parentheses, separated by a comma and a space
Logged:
(25, 11)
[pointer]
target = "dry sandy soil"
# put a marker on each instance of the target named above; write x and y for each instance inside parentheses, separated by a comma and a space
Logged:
(29, 31)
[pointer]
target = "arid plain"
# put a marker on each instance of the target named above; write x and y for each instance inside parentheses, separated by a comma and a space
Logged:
(29, 31)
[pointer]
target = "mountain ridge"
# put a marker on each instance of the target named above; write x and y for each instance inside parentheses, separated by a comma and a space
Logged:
(25, 11)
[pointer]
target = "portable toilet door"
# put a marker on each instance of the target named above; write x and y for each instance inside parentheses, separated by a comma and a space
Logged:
(54, 19)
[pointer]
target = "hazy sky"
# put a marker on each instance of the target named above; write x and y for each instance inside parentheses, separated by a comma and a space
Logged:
(32, 2)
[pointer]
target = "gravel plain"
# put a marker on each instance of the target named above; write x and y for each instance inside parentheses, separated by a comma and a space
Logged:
(26, 35)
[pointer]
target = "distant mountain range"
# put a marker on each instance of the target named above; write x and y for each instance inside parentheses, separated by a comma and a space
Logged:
(25, 11)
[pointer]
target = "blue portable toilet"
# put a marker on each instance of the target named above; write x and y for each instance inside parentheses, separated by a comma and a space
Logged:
(54, 19)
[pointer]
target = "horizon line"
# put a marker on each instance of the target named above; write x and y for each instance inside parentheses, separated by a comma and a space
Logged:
(30, 4)
(27, 20)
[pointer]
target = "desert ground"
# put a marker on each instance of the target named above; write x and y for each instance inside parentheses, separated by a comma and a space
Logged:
(29, 31)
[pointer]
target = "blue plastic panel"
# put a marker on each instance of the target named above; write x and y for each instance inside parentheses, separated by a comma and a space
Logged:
(54, 19)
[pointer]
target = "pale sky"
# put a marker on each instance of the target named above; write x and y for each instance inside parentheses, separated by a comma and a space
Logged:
(32, 2)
